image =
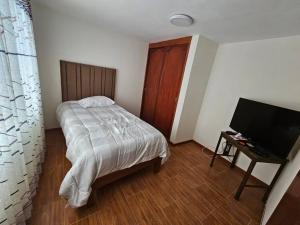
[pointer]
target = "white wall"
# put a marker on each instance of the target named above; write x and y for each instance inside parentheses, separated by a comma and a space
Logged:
(61, 37)
(281, 187)
(267, 71)
(197, 70)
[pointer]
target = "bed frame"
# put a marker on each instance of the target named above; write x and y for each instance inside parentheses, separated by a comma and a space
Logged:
(80, 81)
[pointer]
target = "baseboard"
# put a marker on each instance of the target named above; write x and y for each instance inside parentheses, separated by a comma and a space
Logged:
(228, 163)
(53, 129)
(210, 152)
(179, 143)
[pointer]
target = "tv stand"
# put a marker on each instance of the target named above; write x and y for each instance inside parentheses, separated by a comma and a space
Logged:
(255, 158)
(260, 151)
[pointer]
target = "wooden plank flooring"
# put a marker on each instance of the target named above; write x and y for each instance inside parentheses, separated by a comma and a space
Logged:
(185, 191)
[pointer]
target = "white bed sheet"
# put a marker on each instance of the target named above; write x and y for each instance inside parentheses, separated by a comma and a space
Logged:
(102, 140)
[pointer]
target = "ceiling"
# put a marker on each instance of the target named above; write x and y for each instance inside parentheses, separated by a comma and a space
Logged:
(220, 20)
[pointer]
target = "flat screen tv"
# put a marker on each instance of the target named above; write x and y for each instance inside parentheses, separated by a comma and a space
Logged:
(272, 128)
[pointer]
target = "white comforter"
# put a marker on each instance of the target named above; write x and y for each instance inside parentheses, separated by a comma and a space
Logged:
(102, 140)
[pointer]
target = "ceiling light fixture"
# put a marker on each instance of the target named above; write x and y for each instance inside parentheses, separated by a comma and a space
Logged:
(181, 20)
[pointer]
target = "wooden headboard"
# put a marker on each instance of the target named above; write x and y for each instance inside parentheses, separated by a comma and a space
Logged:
(80, 81)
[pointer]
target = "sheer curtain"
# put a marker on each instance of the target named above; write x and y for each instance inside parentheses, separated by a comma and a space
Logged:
(21, 119)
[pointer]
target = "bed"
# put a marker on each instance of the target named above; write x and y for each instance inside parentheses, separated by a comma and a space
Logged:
(104, 143)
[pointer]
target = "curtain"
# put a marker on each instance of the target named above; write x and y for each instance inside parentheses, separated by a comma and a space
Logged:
(21, 118)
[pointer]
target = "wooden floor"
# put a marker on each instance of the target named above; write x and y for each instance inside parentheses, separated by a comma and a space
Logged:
(185, 191)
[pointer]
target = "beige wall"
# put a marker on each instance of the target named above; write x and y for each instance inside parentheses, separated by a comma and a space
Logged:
(266, 70)
(197, 70)
(281, 187)
(61, 37)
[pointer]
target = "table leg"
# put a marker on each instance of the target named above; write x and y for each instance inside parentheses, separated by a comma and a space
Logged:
(269, 188)
(216, 151)
(245, 179)
(236, 155)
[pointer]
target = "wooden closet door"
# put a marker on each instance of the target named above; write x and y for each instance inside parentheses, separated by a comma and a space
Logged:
(153, 75)
(169, 88)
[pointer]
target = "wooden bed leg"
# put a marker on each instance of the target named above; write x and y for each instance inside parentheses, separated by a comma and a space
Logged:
(156, 165)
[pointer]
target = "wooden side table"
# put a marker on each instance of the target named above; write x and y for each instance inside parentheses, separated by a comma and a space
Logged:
(255, 158)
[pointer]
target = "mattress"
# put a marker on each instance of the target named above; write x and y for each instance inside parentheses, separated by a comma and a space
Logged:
(102, 140)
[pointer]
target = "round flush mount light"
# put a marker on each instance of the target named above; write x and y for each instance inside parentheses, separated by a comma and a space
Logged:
(181, 20)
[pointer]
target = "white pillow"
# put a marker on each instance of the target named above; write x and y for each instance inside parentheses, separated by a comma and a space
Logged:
(95, 101)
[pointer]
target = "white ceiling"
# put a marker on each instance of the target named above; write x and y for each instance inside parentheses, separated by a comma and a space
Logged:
(220, 20)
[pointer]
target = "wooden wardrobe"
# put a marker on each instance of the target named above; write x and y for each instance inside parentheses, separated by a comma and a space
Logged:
(164, 72)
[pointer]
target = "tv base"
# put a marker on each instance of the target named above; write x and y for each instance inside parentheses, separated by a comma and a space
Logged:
(259, 150)
(260, 153)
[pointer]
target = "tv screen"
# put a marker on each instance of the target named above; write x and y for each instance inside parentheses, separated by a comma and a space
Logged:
(273, 128)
